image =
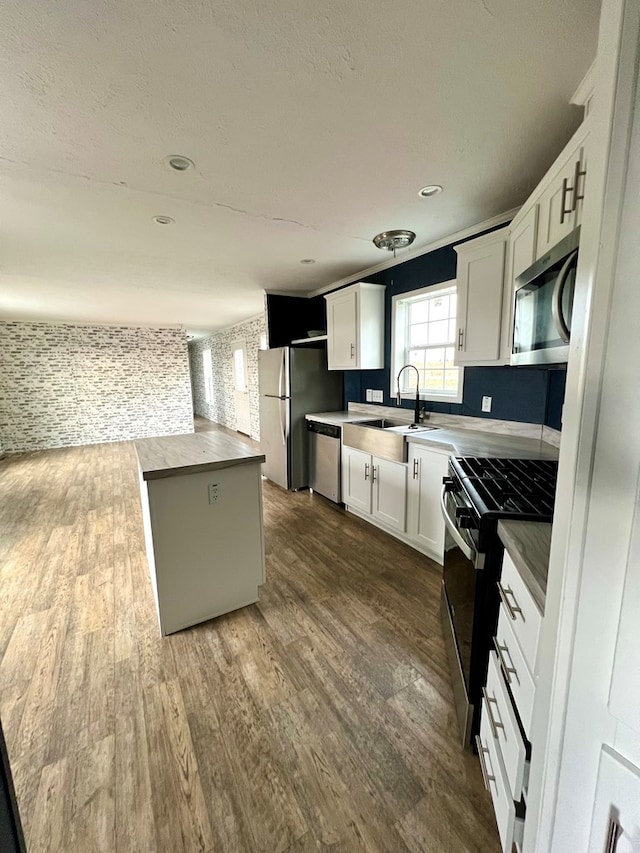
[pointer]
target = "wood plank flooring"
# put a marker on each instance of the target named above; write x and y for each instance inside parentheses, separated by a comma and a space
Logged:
(319, 719)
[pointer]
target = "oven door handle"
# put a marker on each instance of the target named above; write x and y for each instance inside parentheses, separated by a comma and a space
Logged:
(466, 549)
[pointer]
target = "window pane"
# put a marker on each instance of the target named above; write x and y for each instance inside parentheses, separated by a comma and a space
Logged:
(452, 330)
(419, 311)
(416, 356)
(435, 358)
(434, 379)
(451, 378)
(439, 308)
(439, 332)
(450, 354)
(453, 304)
(419, 335)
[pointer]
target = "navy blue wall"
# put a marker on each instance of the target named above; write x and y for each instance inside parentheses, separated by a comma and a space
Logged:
(534, 395)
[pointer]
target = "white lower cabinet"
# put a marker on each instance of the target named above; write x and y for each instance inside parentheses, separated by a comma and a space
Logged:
(507, 703)
(425, 526)
(376, 487)
(356, 479)
(510, 824)
(389, 493)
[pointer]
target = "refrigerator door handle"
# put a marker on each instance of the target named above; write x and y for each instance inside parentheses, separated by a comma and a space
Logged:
(283, 426)
(281, 375)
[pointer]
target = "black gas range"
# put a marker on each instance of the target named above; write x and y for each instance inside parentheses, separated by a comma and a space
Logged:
(477, 493)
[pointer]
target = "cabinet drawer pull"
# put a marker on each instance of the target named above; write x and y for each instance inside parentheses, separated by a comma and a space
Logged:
(373, 473)
(494, 725)
(366, 470)
(460, 338)
(577, 196)
(415, 469)
(483, 767)
(352, 350)
(508, 670)
(512, 609)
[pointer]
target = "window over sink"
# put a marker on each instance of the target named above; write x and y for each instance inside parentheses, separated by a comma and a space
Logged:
(424, 334)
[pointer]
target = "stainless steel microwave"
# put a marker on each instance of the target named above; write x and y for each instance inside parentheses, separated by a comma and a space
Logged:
(543, 303)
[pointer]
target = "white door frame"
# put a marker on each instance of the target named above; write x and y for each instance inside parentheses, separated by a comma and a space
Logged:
(554, 810)
(242, 411)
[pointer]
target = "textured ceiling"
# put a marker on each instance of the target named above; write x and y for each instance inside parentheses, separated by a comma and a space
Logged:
(312, 126)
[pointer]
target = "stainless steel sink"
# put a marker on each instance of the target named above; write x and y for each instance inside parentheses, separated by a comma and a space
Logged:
(383, 437)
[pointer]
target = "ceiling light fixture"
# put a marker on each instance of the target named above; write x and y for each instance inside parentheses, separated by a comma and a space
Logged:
(179, 163)
(399, 238)
(163, 220)
(432, 189)
(308, 261)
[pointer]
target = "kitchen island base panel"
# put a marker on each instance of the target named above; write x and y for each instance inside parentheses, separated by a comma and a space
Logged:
(206, 556)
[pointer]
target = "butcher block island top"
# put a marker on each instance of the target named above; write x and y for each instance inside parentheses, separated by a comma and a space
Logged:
(177, 455)
(201, 498)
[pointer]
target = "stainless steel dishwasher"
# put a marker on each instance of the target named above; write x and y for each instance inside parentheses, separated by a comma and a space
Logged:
(324, 459)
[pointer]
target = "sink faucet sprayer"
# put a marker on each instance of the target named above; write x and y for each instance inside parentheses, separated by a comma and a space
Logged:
(416, 416)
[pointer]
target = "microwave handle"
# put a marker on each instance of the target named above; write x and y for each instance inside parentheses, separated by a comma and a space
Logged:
(558, 291)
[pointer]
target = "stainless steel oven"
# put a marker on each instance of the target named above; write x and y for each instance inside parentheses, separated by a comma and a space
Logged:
(477, 493)
(543, 305)
(463, 564)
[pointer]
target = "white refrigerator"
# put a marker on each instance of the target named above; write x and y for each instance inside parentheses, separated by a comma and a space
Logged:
(294, 382)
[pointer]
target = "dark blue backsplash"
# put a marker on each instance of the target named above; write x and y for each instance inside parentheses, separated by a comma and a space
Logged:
(532, 395)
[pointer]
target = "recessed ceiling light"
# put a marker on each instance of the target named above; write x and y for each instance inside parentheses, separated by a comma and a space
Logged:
(179, 163)
(432, 189)
(308, 261)
(163, 220)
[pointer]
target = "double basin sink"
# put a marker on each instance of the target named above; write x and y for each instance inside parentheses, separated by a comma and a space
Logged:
(383, 437)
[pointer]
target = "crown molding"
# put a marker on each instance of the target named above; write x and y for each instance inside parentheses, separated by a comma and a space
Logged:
(500, 219)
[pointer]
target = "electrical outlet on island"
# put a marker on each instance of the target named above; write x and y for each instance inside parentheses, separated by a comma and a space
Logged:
(486, 404)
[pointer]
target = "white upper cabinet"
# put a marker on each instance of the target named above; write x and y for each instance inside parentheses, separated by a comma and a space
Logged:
(480, 288)
(521, 253)
(561, 202)
(355, 327)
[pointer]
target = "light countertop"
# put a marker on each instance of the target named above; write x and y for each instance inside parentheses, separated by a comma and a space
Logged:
(528, 544)
(470, 442)
(338, 418)
(175, 455)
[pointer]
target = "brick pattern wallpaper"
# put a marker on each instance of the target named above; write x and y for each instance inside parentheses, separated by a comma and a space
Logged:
(222, 410)
(67, 384)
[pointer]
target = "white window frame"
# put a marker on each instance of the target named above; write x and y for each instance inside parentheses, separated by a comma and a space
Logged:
(398, 342)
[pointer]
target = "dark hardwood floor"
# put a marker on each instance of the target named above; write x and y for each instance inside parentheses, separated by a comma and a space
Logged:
(320, 718)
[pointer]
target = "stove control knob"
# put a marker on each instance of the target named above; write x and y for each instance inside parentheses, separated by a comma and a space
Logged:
(447, 482)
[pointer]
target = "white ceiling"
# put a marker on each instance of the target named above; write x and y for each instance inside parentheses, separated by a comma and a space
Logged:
(312, 126)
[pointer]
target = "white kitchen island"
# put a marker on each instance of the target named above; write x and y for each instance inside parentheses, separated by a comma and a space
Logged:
(202, 511)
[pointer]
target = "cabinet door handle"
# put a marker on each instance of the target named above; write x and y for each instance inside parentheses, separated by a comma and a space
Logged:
(492, 722)
(366, 470)
(483, 767)
(564, 211)
(460, 338)
(578, 196)
(614, 832)
(373, 473)
(415, 469)
(353, 350)
(512, 609)
(508, 670)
